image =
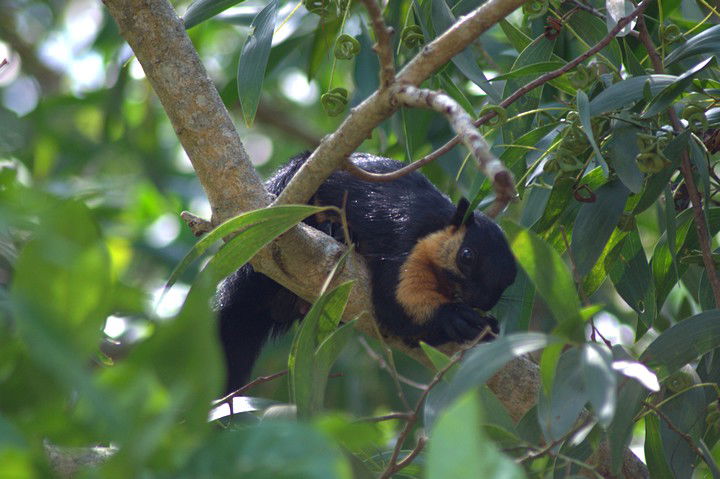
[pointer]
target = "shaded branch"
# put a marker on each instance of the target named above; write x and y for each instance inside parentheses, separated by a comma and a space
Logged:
(687, 172)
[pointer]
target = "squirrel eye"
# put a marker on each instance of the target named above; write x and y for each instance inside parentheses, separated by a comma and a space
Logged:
(467, 256)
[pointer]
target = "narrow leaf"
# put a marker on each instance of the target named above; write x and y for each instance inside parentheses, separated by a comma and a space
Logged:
(253, 61)
(684, 342)
(275, 218)
(201, 10)
(665, 98)
(625, 93)
(583, 105)
(702, 43)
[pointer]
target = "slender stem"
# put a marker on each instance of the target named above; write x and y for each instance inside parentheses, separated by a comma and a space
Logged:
(687, 172)
(383, 47)
(394, 465)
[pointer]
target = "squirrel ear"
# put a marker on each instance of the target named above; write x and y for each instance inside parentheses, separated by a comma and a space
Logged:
(462, 207)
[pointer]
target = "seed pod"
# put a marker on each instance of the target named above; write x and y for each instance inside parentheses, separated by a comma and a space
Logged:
(334, 101)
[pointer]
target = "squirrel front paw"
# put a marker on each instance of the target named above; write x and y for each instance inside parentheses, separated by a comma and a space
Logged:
(458, 322)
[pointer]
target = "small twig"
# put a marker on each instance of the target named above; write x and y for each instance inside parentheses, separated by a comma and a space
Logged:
(383, 365)
(383, 47)
(586, 301)
(391, 369)
(395, 466)
(462, 123)
(686, 437)
(589, 9)
(413, 454)
(258, 380)
(388, 417)
(687, 172)
(197, 225)
(667, 399)
(547, 449)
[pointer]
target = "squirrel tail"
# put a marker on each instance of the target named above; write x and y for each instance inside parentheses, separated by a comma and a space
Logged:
(251, 308)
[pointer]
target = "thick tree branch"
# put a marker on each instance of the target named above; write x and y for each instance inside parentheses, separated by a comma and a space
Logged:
(193, 104)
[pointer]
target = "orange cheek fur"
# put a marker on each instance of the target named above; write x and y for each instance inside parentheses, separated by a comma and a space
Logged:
(419, 290)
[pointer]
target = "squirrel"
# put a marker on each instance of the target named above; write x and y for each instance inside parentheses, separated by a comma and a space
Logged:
(432, 264)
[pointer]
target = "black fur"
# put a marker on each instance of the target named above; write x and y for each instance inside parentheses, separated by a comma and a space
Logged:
(385, 220)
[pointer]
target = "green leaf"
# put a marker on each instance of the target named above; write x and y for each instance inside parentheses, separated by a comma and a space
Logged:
(630, 396)
(61, 285)
(514, 311)
(654, 453)
(331, 347)
(479, 365)
(366, 72)
(665, 98)
(517, 38)
(664, 272)
(540, 50)
(600, 381)
(323, 40)
(436, 357)
(465, 61)
(591, 30)
(201, 10)
(557, 203)
(631, 62)
(702, 43)
(631, 275)
(583, 105)
(598, 274)
(270, 449)
(686, 412)
(625, 93)
(253, 61)
(549, 274)
(595, 223)
(310, 360)
(683, 343)
(559, 411)
(268, 223)
(459, 448)
(624, 148)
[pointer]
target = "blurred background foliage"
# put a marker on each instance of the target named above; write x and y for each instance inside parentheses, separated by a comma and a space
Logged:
(92, 181)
